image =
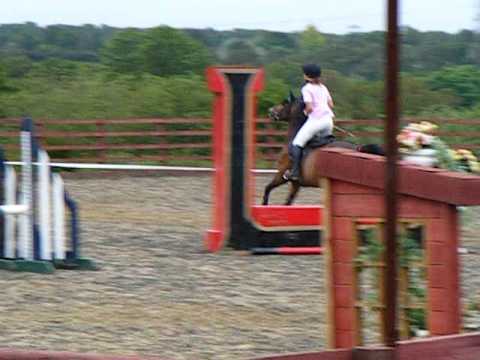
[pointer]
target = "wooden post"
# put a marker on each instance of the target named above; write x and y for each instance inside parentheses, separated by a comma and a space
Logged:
(101, 141)
(161, 139)
(392, 111)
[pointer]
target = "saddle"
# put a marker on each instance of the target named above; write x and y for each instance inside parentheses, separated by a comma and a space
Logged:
(317, 141)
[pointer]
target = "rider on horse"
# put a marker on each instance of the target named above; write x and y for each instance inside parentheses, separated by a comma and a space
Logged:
(318, 109)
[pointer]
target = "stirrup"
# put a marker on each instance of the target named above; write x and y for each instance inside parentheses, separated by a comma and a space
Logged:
(287, 175)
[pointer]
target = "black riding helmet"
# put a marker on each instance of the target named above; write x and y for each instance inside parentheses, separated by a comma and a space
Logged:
(313, 71)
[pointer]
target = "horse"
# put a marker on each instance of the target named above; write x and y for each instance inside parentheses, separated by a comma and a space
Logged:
(291, 110)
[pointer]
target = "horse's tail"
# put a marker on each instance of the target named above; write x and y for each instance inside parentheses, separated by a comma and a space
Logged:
(372, 149)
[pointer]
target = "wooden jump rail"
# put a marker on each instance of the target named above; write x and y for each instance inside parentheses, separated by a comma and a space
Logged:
(186, 139)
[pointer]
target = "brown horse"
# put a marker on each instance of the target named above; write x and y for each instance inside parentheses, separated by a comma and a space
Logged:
(291, 110)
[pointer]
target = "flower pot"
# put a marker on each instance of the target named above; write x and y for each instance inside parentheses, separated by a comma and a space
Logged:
(422, 157)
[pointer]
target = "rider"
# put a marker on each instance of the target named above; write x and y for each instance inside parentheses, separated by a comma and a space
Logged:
(318, 109)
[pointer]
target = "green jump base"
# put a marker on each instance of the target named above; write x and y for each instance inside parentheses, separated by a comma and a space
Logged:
(39, 267)
(76, 264)
(7, 265)
(47, 267)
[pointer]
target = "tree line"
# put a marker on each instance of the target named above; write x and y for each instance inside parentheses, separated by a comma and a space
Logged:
(63, 71)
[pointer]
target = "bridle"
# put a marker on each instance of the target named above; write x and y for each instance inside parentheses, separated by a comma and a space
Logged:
(273, 115)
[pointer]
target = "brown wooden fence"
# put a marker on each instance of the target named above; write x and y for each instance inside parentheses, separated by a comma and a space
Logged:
(187, 141)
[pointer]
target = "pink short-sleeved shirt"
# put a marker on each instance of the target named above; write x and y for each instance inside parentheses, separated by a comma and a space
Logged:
(318, 95)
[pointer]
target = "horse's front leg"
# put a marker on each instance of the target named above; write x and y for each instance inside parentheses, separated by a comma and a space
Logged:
(294, 187)
(283, 166)
(276, 182)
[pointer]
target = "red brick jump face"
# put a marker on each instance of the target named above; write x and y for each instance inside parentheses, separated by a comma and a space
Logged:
(355, 184)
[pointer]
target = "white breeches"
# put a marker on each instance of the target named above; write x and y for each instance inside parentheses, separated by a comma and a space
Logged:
(312, 126)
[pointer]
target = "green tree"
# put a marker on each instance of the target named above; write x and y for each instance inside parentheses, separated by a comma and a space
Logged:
(123, 53)
(189, 94)
(417, 97)
(3, 87)
(311, 42)
(90, 37)
(28, 36)
(17, 66)
(167, 51)
(56, 69)
(355, 98)
(274, 46)
(63, 36)
(275, 91)
(241, 52)
(311, 48)
(463, 80)
(355, 54)
(474, 51)
(3, 78)
(289, 71)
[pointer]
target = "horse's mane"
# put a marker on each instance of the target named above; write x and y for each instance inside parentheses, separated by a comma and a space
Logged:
(297, 117)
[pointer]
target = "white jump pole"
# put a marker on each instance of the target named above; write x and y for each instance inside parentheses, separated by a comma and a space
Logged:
(43, 201)
(25, 241)
(10, 193)
(59, 235)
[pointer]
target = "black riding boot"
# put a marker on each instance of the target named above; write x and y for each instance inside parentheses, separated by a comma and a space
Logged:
(295, 153)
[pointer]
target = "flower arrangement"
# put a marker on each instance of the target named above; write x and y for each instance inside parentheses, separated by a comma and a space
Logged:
(466, 160)
(416, 138)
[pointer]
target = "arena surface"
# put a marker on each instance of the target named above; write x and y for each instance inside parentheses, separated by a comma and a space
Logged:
(158, 293)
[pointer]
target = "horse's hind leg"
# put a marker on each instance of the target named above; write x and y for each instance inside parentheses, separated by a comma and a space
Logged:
(294, 187)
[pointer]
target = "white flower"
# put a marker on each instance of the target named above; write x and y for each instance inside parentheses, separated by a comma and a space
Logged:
(428, 127)
(414, 137)
(475, 166)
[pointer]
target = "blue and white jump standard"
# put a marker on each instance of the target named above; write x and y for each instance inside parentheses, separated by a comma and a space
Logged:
(33, 229)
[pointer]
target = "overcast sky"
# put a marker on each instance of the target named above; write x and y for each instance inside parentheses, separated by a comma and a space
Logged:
(333, 16)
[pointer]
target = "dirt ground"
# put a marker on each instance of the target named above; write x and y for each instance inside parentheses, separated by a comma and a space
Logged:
(159, 293)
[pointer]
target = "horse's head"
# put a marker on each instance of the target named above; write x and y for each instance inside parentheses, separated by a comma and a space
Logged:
(289, 109)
